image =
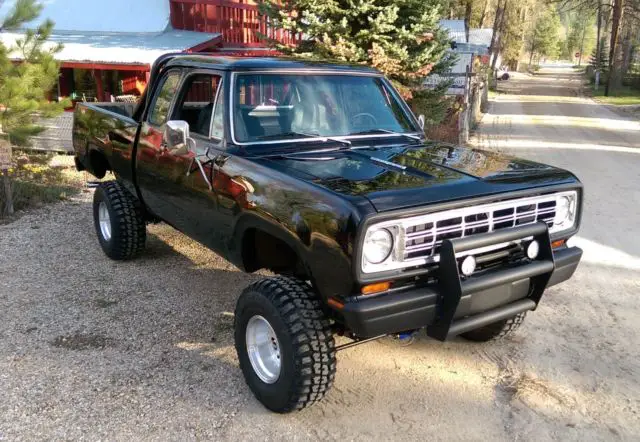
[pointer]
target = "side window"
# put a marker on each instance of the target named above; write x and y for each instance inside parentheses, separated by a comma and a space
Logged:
(197, 99)
(217, 126)
(161, 106)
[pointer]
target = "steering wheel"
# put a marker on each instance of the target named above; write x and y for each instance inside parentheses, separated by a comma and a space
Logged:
(364, 115)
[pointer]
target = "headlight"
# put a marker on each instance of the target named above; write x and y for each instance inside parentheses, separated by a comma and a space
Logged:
(565, 212)
(377, 246)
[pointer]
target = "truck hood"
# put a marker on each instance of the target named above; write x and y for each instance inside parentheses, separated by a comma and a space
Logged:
(408, 176)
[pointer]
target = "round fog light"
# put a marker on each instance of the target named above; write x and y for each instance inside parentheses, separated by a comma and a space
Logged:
(468, 265)
(533, 249)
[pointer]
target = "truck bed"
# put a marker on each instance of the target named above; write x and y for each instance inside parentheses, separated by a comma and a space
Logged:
(104, 136)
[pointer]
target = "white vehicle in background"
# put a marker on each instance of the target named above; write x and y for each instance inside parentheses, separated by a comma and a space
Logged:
(503, 73)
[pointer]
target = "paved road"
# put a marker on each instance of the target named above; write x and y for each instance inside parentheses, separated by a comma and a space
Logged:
(94, 349)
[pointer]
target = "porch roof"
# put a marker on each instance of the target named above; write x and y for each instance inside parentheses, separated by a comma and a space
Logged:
(119, 48)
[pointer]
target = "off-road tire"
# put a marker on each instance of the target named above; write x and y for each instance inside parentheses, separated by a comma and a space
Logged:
(497, 330)
(128, 230)
(307, 347)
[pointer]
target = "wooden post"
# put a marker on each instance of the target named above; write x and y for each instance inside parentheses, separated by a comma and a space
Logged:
(97, 75)
(8, 207)
(5, 164)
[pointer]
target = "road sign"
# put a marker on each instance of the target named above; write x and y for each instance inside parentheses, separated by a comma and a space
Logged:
(5, 155)
(577, 54)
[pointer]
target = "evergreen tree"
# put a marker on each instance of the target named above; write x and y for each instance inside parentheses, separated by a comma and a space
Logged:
(543, 39)
(601, 61)
(25, 86)
(580, 35)
(401, 38)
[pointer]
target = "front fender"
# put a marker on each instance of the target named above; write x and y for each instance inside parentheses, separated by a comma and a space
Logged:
(322, 255)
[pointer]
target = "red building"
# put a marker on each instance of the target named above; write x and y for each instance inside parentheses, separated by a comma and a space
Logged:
(238, 21)
(109, 46)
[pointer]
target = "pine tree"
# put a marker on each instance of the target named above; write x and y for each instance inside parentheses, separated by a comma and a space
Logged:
(25, 86)
(401, 38)
(600, 62)
(543, 39)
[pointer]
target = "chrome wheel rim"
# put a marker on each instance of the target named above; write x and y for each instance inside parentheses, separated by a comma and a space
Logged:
(263, 349)
(105, 221)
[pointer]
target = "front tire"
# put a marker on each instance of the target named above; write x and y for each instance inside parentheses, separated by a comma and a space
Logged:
(497, 330)
(119, 221)
(284, 342)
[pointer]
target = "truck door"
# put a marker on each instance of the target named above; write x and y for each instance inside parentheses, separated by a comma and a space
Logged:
(183, 176)
(152, 146)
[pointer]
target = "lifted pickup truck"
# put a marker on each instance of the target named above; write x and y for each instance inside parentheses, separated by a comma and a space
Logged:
(321, 173)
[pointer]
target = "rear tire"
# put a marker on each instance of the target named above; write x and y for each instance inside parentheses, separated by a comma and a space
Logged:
(119, 221)
(296, 364)
(497, 330)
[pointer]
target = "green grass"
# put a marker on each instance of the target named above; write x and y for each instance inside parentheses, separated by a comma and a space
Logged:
(625, 95)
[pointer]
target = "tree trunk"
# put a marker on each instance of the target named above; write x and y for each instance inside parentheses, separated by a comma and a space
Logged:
(530, 58)
(494, 49)
(484, 13)
(615, 29)
(467, 18)
(626, 53)
(496, 24)
(503, 21)
(598, 42)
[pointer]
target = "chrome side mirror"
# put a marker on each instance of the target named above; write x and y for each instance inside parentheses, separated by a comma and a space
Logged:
(176, 137)
(421, 121)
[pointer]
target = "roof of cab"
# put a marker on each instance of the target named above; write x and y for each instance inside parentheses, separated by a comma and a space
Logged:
(228, 63)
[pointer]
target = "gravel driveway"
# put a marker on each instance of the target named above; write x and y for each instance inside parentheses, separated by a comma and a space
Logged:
(98, 350)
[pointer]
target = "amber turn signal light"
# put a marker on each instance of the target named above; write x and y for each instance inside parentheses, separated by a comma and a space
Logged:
(375, 288)
(558, 243)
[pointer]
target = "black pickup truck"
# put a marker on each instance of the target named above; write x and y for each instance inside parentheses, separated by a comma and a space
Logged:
(321, 173)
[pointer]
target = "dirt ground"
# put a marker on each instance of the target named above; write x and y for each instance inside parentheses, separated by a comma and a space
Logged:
(98, 350)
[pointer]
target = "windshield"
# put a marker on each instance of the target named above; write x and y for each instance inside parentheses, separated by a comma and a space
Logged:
(290, 106)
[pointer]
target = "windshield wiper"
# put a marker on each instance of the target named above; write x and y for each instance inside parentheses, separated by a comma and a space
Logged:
(285, 135)
(322, 138)
(386, 131)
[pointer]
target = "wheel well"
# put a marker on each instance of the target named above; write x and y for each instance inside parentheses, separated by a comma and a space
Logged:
(261, 250)
(98, 163)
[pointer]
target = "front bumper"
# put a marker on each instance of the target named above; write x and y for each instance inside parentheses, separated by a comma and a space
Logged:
(456, 305)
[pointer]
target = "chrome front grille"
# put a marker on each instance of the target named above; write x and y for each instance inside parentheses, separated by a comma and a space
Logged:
(424, 235)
